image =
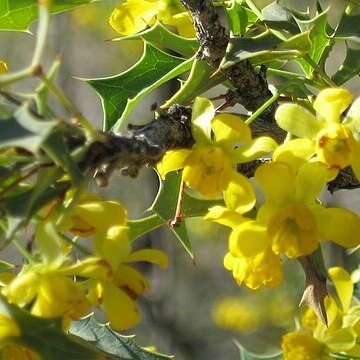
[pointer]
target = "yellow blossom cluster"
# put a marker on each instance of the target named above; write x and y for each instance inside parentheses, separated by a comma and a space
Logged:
(57, 284)
(291, 221)
(315, 340)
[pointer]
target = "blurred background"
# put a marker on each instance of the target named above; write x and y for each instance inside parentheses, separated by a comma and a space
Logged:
(193, 310)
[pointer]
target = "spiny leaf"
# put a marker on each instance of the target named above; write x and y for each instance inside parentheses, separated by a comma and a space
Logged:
(165, 206)
(159, 36)
(349, 68)
(264, 48)
(46, 337)
(349, 28)
(199, 80)
(19, 14)
(319, 40)
(104, 338)
(120, 93)
(25, 130)
(246, 355)
(279, 17)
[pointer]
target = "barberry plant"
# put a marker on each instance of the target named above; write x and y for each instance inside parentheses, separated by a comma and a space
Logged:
(259, 168)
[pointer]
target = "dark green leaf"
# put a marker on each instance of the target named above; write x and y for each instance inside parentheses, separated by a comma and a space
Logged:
(264, 48)
(20, 207)
(319, 41)
(57, 150)
(349, 68)
(120, 93)
(159, 36)
(46, 337)
(19, 14)
(199, 80)
(25, 130)
(105, 339)
(349, 28)
(140, 227)
(279, 17)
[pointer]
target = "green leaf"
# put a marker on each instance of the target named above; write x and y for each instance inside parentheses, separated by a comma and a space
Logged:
(46, 337)
(200, 80)
(4, 265)
(56, 148)
(319, 41)
(105, 339)
(120, 93)
(246, 355)
(349, 28)
(279, 17)
(20, 207)
(265, 48)
(349, 68)
(25, 130)
(140, 227)
(19, 14)
(165, 206)
(159, 36)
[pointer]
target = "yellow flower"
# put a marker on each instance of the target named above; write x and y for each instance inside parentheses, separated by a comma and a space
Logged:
(263, 268)
(301, 346)
(133, 16)
(8, 328)
(3, 67)
(48, 293)
(92, 214)
(222, 142)
(295, 221)
(334, 142)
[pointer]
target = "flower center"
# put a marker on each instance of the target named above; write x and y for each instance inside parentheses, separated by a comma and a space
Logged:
(336, 146)
(293, 231)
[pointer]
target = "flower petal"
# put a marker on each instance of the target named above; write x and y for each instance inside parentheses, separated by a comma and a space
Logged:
(310, 181)
(131, 17)
(224, 216)
(249, 239)
(253, 149)
(298, 121)
(278, 181)
(355, 164)
(295, 152)
(202, 113)
(328, 220)
(352, 119)
(171, 161)
(332, 102)
(239, 195)
(340, 340)
(121, 311)
(230, 128)
(150, 255)
(343, 285)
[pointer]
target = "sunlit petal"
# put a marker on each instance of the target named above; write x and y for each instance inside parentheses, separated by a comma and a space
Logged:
(230, 128)
(332, 102)
(355, 164)
(150, 255)
(239, 195)
(343, 285)
(278, 181)
(202, 113)
(328, 221)
(249, 239)
(310, 181)
(121, 311)
(298, 121)
(224, 216)
(171, 161)
(131, 17)
(253, 149)
(352, 119)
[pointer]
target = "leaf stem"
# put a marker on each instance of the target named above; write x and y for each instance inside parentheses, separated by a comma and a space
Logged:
(262, 108)
(24, 252)
(320, 71)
